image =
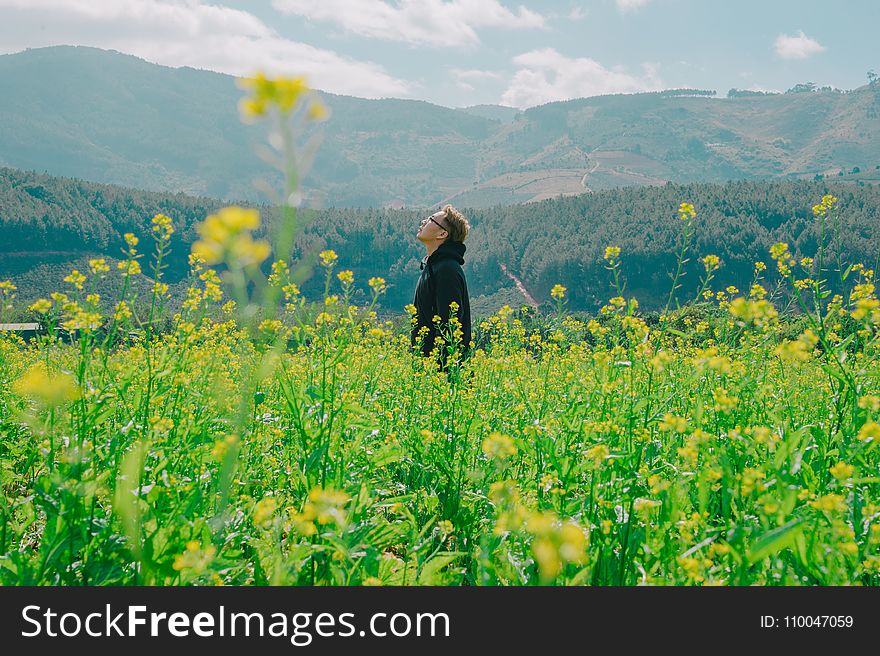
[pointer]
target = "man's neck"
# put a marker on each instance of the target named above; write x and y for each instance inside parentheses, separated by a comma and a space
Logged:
(432, 247)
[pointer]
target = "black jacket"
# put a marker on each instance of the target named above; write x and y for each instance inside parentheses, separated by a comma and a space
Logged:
(442, 281)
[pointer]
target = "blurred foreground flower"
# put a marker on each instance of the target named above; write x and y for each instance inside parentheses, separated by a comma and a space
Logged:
(283, 93)
(48, 390)
(227, 236)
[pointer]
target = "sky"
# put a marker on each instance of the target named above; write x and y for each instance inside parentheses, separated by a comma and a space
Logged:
(458, 53)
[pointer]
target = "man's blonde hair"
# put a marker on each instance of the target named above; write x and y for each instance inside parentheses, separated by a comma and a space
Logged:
(458, 225)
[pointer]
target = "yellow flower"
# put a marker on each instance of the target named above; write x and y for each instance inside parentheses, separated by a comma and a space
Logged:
(829, 503)
(194, 559)
(49, 390)
(195, 262)
(328, 258)
(75, 278)
(711, 262)
(161, 425)
(129, 267)
(778, 249)
(162, 227)
(798, 350)
(686, 211)
(281, 92)
(264, 510)
(270, 326)
(226, 236)
(611, 253)
(657, 485)
(98, 265)
(824, 206)
(555, 543)
(40, 306)
(499, 447)
(758, 312)
(842, 471)
(79, 319)
(751, 480)
(724, 402)
(597, 454)
(122, 311)
(869, 402)
(327, 505)
(558, 292)
(345, 277)
(694, 568)
(672, 423)
(280, 271)
(869, 432)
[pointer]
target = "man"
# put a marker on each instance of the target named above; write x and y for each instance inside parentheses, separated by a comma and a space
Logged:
(441, 284)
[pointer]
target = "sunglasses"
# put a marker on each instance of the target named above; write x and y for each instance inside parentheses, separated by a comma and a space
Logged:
(439, 225)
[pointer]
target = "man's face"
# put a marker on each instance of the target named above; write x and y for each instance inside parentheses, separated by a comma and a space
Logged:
(432, 228)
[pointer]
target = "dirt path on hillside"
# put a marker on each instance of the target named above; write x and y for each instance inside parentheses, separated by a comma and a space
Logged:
(521, 287)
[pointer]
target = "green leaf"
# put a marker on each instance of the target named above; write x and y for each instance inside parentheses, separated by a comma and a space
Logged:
(776, 540)
(431, 573)
(387, 456)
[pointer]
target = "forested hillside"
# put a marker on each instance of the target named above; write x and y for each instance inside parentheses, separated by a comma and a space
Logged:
(51, 224)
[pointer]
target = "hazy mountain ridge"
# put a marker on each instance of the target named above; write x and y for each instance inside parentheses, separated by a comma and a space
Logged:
(114, 118)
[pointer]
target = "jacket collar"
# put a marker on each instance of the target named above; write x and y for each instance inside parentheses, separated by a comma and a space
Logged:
(451, 250)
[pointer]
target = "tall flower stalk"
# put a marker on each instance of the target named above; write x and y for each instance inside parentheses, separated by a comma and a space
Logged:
(687, 214)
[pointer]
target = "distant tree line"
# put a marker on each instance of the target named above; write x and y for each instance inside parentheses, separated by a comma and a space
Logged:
(48, 220)
(748, 93)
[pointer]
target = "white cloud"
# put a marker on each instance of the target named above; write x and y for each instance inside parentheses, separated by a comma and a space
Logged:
(465, 79)
(432, 22)
(796, 47)
(546, 76)
(625, 6)
(474, 74)
(758, 87)
(577, 14)
(188, 33)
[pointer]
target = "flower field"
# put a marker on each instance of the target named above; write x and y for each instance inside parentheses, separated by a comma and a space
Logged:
(324, 452)
(258, 439)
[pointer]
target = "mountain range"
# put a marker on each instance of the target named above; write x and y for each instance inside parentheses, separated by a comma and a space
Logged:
(113, 118)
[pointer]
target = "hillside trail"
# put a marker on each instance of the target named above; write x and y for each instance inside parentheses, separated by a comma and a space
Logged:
(592, 170)
(521, 287)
